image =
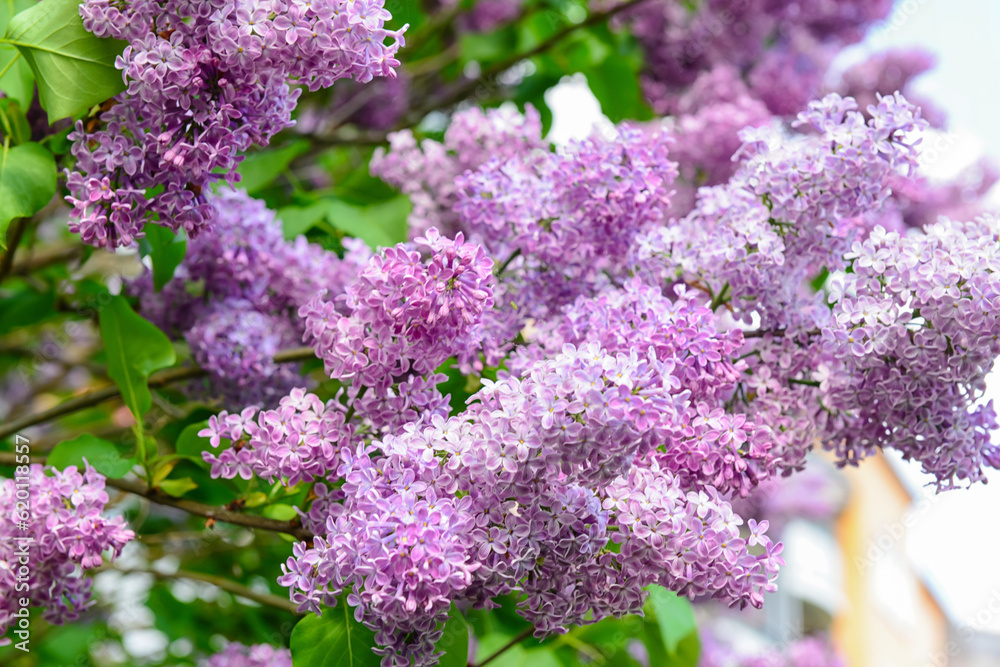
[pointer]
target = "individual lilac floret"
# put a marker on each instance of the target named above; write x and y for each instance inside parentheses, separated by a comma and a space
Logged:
(65, 534)
(257, 655)
(206, 81)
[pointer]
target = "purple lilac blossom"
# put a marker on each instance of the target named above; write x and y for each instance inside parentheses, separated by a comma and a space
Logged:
(258, 655)
(205, 82)
(759, 38)
(524, 491)
(426, 172)
(805, 652)
(235, 295)
(68, 534)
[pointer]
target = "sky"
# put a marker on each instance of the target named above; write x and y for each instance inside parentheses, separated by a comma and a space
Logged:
(955, 542)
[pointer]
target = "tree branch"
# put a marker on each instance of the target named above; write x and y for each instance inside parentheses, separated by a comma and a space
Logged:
(97, 396)
(242, 591)
(524, 634)
(466, 88)
(47, 257)
(222, 514)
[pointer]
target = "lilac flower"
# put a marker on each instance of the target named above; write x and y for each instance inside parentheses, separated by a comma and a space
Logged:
(258, 655)
(66, 533)
(203, 86)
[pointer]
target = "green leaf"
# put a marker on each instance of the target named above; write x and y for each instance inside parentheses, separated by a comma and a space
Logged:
(27, 183)
(20, 130)
(379, 225)
(101, 454)
(334, 639)
(297, 220)
(191, 445)
(455, 641)
(280, 511)
(616, 86)
(673, 616)
(177, 487)
(16, 81)
(74, 69)
(166, 251)
(135, 348)
(259, 169)
(25, 308)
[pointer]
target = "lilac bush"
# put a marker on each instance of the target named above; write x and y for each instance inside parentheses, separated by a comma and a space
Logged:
(431, 384)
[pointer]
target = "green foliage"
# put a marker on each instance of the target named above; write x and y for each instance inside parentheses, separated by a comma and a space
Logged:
(334, 639)
(260, 169)
(377, 225)
(455, 641)
(25, 308)
(166, 249)
(17, 81)
(297, 220)
(27, 183)
(101, 454)
(13, 121)
(135, 348)
(671, 635)
(673, 616)
(74, 69)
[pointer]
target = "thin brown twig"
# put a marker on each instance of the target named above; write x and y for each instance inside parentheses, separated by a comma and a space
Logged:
(524, 634)
(139, 488)
(227, 585)
(46, 257)
(98, 396)
(463, 90)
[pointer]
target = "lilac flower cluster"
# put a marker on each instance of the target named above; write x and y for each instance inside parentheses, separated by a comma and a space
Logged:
(426, 172)
(913, 333)
(406, 315)
(795, 205)
(564, 221)
(782, 49)
(299, 440)
(66, 534)
(258, 655)
(664, 369)
(234, 296)
(703, 445)
(205, 82)
(526, 491)
(806, 652)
